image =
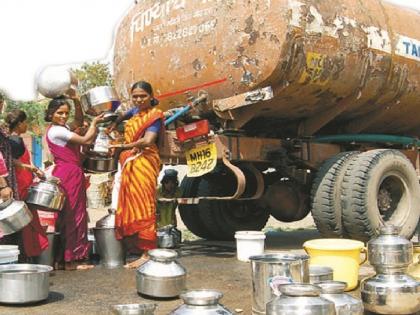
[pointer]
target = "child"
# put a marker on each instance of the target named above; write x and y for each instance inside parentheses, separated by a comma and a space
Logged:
(169, 189)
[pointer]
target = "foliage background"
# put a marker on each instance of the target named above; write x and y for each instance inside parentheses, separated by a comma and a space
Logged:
(89, 75)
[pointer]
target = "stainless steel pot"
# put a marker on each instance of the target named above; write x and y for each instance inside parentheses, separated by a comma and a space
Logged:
(344, 303)
(111, 250)
(134, 309)
(100, 164)
(299, 299)
(389, 250)
(48, 254)
(391, 294)
(24, 283)
(47, 194)
(14, 216)
(269, 270)
(168, 236)
(162, 276)
(100, 99)
(320, 273)
(55, 81)
(201, 302)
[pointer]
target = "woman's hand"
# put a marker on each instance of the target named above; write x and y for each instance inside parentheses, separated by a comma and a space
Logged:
(97, 119)
(6, 193)
(116, 146)
(111, 127)
(72, 93)
(40, 174)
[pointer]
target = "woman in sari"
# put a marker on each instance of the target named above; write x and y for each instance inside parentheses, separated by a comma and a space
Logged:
(34, 237)
(139, 165)
(64, 146)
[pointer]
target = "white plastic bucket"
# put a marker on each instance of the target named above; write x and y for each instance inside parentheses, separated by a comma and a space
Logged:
(249, 243)
(9, 254)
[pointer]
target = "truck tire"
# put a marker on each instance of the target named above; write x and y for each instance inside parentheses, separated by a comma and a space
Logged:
(224, 218)
(189, 213)
(325, 195)
(379, 187)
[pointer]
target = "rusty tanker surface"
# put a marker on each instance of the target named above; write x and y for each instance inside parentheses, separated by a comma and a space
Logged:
(335, 66)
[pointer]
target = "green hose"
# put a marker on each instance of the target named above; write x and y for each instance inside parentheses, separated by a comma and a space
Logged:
(377, 138)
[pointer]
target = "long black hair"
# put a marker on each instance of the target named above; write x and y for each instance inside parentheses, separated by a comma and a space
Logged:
(54, 105)
(15, 117)
(146, 86)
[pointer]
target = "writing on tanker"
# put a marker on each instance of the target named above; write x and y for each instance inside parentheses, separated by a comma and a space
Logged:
(161, 10)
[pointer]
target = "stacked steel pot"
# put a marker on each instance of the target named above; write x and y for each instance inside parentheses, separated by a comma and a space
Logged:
(391, 290)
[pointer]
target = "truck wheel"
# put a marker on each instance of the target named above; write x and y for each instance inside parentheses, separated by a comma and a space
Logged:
(224, 218)
(189, 213)
(325, 195)
(379, 187)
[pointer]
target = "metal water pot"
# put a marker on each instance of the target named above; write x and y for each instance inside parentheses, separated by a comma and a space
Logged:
(391, 294)
(300, 299)
(55, 81)
(162, 276)
(47, 194)
(344, 303)
(111, 251)
(100, 99)
(168, 236)
(320, 273)
(24, 283)
(201, 302)
(14, 216)
(270, 270)
(389, 250)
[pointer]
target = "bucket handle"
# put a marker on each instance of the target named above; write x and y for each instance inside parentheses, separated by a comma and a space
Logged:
(363, 250)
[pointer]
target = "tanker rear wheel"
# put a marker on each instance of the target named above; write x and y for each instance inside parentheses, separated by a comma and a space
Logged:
(189, 213)
(325, 195)
(224, 218)
(380, 187)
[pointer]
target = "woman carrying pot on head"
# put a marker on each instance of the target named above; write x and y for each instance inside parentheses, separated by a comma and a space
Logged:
(64, 145)
(139, 166)
(33, 235)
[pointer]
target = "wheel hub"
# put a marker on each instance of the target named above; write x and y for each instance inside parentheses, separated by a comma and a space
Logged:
(384, 200)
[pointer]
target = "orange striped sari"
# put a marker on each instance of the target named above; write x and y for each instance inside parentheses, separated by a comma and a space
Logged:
(136, 212)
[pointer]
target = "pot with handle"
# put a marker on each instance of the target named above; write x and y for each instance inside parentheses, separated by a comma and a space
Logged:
(47, 194)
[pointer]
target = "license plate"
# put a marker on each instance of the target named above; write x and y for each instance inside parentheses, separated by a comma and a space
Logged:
(201, 160)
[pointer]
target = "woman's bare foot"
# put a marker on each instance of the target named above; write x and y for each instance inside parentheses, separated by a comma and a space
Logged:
(138, 262)
(77, 265)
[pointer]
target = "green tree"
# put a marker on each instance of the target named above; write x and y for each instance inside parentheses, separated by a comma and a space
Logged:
(93, 74)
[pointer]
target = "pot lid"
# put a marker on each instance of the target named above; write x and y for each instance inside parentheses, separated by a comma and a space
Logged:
(201, 297)
(108, 221)
(333, 287)
(49, 184)
(163, 254)
(300, 289)
(134, 308)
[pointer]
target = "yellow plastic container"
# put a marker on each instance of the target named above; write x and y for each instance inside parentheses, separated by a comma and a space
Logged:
(414, 268)
(342, 255)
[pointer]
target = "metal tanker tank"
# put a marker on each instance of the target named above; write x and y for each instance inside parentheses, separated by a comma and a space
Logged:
(335, 66)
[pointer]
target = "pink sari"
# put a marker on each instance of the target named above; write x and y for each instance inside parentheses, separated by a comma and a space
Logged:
(73, 218)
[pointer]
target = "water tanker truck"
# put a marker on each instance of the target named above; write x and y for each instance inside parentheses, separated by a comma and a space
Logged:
(300, 106)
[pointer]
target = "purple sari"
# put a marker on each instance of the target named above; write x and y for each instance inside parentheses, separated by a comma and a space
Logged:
(73, 218)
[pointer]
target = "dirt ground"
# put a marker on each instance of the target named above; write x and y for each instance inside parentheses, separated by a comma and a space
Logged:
(209, 265)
